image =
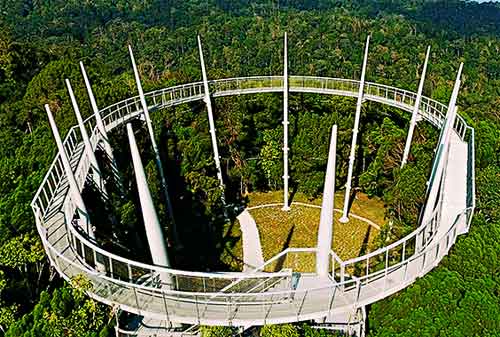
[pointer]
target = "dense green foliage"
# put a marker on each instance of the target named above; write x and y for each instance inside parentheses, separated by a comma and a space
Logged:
(65, 312)
(41, 43)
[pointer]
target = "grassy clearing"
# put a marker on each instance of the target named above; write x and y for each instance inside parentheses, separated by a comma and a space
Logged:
(370, 208)
(279, 230)
(298, 228)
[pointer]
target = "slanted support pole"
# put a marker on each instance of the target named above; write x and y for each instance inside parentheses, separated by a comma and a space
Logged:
(286, 206)
(325, 232)
(74, 191)
(213, 136)
(441, 151)
(416, 109)
(452, 108)
(156, 241)
(101, 128)
(96, 172)
(345, 211)
(149, 125)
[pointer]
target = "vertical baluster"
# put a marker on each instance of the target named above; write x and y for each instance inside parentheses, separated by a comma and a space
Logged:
(130, 276)
(404, 248)
(367, 267)
(111, 271)
(386, 267)
(342, 274)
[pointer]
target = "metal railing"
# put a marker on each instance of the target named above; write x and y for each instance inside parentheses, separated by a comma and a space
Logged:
(205, 308)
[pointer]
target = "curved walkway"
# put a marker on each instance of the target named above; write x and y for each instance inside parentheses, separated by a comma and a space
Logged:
(252, 250)
(256, 298)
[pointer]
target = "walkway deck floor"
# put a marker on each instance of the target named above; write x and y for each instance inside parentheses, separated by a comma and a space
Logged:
(252, 250)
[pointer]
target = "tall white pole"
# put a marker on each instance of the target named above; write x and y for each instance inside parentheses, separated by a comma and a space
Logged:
(452, 108)
(438, 164)
(73, 186)
(213, 136)
(153, 142)
(286, 206)
(416, 109)
(154, 233)
(325, 232)
(345, 212)
(97, 175)
(98, 118)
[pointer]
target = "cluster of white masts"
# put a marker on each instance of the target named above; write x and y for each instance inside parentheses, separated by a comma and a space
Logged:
(157, 244)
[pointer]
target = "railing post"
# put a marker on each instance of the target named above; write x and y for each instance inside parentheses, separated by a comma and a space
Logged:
(423, 262)
(342, 274)
(386, 269)
(345, 211)
(358, 291)
(136, 298)
(166, 307)
(197, 309)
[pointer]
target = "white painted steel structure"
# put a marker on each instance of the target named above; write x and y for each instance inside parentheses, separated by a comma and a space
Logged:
(101, 128)
(286, 206)
(211, 123)
(267, 295)
(96, 171)
(414, 115)
(149, 125)
(325, 230)
(157, 244)
(357, 116)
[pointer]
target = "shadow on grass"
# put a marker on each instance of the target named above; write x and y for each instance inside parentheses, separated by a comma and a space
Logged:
(295, 188)
(281, 260)
(364, 245)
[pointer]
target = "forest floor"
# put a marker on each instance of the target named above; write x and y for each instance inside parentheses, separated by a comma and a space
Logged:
(298, 228)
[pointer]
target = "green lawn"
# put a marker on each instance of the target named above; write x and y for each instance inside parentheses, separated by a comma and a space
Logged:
(299, 228)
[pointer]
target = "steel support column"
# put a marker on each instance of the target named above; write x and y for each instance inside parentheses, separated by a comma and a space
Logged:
(149, 125)
(325, 232)
(101, 127)
(416, 109)
(96, 172)
(345, 212)
(452, 107)
(441, 151)
(211, 123)
(286, 205)
(73, 186)
(156, 241)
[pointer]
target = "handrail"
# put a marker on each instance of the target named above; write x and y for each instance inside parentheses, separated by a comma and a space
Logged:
(167, 291)
(394, 244)
(159, 92)
(257, 270)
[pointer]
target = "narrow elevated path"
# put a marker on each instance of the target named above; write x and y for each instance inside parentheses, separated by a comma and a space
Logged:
(252, 250)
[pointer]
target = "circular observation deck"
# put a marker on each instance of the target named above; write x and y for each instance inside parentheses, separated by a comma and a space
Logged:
(259, 297)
